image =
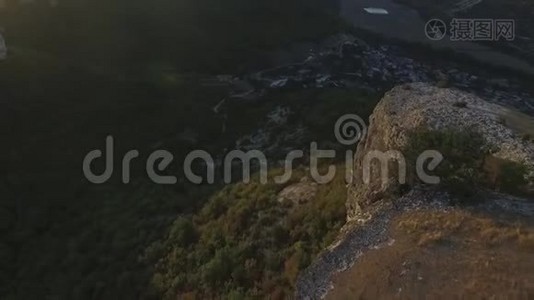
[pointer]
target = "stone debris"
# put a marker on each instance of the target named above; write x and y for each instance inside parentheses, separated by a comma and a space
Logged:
(370, 231)
(345, 61)
(358, 237)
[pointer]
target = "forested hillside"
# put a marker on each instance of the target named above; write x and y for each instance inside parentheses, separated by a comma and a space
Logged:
(67, 83)
(205, 35)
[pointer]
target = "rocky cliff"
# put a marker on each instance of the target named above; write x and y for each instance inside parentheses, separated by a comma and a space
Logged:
(412, 107)
(371, 205)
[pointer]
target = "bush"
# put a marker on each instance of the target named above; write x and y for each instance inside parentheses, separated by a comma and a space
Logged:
(468, 163)
(513, 177)
(463, 152)
(253, 246)
(527, 137)
(183, 232)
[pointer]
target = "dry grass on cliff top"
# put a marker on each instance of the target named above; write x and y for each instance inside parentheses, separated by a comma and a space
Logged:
(462, 228)
(446, 255)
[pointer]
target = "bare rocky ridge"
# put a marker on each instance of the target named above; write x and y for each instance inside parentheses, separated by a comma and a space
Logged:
(412, 106)
(370, 210)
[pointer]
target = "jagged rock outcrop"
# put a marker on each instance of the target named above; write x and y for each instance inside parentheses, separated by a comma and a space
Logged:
(408, 107)
(403, 109)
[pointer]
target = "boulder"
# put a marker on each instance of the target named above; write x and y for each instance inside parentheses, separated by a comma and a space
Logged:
(299, 193)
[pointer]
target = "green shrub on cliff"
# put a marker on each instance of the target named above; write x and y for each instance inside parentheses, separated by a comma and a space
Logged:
(245, 243)
(467, 163)
(463, 153)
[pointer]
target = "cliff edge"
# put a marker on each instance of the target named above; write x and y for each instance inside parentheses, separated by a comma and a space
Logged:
(486, 152)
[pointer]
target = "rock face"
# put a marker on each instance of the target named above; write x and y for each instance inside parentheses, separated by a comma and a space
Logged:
(403, 109)
(419, 105)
